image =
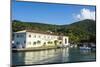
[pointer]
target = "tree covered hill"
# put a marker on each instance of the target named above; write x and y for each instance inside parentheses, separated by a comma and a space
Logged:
(19, 25)
(80, 31)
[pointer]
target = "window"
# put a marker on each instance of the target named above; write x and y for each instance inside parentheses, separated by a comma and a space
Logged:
(38, 42)
(17, 35)
(51, 37)
(34, 36)
(17, 43)
(21, 35)
(39, 36)
(34, 43)
(65, 41)
(29, 35)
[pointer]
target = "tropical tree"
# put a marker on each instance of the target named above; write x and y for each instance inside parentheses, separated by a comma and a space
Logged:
(55, 42)
(44, 44)
(38, 42)
(34, 43)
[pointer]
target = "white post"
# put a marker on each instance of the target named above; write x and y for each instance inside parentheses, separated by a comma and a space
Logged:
(67, 41)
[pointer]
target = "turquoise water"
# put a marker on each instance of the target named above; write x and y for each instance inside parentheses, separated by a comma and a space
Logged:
(65, 55)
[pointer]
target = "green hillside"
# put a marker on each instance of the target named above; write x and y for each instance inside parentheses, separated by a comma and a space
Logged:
(80, 31)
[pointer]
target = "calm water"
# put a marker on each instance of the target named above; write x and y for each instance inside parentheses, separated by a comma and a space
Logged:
(64, 55)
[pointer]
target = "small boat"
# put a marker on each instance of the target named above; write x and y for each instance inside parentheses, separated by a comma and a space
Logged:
(85, 48)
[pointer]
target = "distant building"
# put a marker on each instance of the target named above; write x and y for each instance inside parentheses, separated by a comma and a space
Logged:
(29, 39)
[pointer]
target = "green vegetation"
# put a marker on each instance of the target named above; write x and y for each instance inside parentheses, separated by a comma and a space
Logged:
(38, 42)
(34, 43)
(81, 31)
(49, 42)
(55, 42)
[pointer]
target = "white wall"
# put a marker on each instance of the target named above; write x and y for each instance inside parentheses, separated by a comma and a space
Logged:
(30, 38)
(43, 38)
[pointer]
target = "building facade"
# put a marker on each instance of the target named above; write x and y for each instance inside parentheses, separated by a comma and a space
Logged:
(30, 39)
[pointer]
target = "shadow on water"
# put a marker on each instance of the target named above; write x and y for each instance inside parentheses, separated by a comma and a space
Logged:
(18, 58)
(64, 55)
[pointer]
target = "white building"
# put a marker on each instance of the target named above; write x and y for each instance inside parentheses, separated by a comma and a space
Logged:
(30, 39)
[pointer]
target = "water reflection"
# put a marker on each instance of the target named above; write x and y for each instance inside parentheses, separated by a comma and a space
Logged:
(51, 56)
(47, 56)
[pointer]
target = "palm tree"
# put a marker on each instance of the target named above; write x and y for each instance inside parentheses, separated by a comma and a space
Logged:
(55, 42)
(48, 42)
(34, 43)
(60, 42)
(38, 42)
(44, 44)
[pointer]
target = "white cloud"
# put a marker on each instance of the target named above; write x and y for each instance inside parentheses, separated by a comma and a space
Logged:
(85, 14)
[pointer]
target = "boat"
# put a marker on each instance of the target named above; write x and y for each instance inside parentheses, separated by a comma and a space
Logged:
(85, 47)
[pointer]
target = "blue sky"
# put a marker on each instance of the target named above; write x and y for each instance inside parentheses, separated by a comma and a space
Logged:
(48, 13)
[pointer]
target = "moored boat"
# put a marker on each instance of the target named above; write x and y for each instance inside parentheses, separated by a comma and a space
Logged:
(85, 48)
